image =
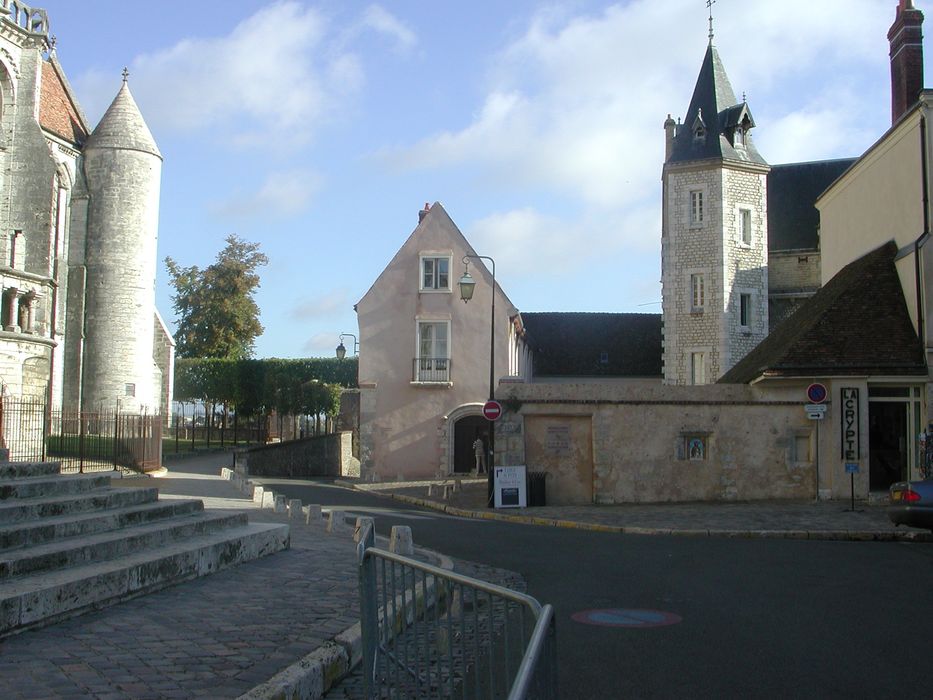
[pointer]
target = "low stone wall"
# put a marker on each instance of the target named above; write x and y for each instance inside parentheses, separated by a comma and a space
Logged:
(617, 444)
(325, 455)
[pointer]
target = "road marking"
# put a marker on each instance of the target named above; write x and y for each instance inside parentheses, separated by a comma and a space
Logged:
(622, 617)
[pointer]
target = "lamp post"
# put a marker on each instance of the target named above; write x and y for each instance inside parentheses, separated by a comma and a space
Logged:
(342, 351)
(467, 286)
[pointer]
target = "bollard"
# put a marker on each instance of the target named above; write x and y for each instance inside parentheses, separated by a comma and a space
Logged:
(430, 489)
(257, 494)
(363, 523)
(294, 507)
(268, 500)
(448, 488)
(312, 514)
(336, 522)
(458, 484)
(278, 505)
(400, 541)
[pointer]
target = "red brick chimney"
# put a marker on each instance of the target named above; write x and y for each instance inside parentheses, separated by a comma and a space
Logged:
(424, 212)
(906, 38)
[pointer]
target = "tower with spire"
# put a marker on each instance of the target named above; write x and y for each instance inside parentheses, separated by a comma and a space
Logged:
(714, 239)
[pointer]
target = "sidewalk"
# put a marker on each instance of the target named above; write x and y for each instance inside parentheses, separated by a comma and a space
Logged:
(826, 520)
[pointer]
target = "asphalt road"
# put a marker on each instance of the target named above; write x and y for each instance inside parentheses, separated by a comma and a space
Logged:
(760, 618)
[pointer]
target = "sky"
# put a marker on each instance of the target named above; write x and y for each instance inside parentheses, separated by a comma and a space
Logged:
(318, 129)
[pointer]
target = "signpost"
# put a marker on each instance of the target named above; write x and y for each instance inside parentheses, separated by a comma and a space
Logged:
(510, 487)
(816, 410)
(852, 470)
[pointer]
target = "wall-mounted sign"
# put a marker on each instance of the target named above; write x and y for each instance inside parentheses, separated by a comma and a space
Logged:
(557, 439)
(850, 424)
(816, 393)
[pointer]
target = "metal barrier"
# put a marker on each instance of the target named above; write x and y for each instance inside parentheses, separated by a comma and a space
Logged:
(428, 632)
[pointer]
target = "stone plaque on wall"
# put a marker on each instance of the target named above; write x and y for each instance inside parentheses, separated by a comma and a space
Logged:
(557, 439)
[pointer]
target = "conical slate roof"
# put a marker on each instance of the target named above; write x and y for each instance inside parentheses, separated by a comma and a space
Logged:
(123, 127)
(715, 107)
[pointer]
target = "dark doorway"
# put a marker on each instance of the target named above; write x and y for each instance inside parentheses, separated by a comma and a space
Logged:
(466, 430)
(887, 444)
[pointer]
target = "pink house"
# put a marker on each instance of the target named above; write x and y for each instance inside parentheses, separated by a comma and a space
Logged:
(425, 354)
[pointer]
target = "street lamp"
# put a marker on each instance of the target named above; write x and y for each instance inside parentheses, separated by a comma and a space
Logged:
(467, 287)
(342, 351)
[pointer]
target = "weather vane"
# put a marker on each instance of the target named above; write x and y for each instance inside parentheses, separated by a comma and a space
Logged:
(709, 4)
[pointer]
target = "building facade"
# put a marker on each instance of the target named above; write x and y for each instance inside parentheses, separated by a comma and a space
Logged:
(79, 221)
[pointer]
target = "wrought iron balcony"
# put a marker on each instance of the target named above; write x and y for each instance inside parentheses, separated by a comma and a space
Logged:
(431, 369)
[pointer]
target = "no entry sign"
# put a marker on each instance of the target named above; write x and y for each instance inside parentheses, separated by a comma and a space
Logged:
(492, 410)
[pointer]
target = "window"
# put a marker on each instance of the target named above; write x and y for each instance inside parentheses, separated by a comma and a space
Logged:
(697, 292)
(433, 362)
(129, 389)
(745, 226)
(698, 368)
(435, 273)
(696, 206)
(739, 137)
(745, 310)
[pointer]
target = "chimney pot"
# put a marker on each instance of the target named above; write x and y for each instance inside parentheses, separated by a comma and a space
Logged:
(906, 40)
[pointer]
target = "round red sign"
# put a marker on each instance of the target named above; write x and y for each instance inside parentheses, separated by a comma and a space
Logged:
(492, 410)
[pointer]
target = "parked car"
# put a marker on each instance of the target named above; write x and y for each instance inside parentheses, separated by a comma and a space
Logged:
(912, 503)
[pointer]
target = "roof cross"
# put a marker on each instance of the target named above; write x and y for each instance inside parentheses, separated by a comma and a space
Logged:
(709, 4)
(126, 74)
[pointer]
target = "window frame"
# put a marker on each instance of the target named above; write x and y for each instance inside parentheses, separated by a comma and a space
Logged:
(695, 208)
(746, 310)
(438, 363)
(697, 277)
(745, 229)
(434, 258)
(698, 379)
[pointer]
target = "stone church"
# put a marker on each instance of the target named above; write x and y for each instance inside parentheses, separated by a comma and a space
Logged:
(78, 230)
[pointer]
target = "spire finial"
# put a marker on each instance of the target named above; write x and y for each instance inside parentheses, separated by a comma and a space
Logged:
(709, 4)
(126, 74)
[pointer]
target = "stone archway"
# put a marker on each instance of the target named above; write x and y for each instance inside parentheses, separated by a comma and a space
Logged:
(449, 436)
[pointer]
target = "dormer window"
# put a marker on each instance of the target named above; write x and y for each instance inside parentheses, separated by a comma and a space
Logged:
(699, 127)
(738, 139)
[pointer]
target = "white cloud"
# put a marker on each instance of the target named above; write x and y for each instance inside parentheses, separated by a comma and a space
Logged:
(322, 345)
(574, 107)
(281, 195)
(379, 19)
(273, 73)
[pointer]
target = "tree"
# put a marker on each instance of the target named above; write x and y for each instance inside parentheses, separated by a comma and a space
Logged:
(217, 314)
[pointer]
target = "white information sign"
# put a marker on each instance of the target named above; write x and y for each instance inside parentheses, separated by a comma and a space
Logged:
(509, 487)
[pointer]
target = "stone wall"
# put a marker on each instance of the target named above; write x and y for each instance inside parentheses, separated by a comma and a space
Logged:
(326, 455)
(653, 444)
(349, 417)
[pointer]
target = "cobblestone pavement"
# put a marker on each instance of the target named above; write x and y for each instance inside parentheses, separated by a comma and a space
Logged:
(217, 637)
(827, 519)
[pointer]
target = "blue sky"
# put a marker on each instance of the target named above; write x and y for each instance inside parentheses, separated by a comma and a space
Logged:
(319, 129)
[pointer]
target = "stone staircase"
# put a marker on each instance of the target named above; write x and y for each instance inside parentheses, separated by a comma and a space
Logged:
(72, 543)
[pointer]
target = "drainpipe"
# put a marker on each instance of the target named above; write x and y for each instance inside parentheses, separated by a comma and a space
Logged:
(926, 229)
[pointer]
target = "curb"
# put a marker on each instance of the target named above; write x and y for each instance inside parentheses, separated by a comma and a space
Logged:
(830, 535)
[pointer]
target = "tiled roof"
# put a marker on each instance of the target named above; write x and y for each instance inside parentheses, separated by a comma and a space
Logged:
(793, 221)
(714, 102)
(594, 344)
(857, 324)
(57, 113)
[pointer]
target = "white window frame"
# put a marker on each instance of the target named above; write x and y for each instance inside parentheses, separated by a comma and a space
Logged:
(434, 365)
(701, 377)
(696, 213)
(434, 258)
(749, 298)
(693, 289)
(740, 226)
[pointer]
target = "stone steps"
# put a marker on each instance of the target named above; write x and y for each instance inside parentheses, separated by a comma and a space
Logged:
(72, 543)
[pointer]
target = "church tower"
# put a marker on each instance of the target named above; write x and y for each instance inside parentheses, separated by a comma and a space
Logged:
(117, 206)
(714, 237)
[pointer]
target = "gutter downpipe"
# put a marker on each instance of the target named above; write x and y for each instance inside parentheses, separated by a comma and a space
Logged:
(918, 268)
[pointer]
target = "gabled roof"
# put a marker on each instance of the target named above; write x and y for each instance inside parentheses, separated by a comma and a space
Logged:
(793, 220)
(714, 104)
(572, 344)
(857, 324)
(59, 112)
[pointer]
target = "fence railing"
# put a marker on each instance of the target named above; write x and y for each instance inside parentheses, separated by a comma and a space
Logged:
(430, 369)
(80, 440)
(428, 632)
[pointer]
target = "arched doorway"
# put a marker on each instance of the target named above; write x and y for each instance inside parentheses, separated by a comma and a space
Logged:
(466, 431)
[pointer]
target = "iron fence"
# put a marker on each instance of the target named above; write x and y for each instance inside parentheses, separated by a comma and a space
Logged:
(81, 440)
(432, 633)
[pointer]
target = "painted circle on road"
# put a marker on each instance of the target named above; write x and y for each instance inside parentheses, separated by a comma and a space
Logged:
(626, 617)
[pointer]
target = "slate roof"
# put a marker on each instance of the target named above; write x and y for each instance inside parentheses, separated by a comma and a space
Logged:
(793, 220)
(857, 324)
(58, 112)
(572, 344)
(714, 102)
